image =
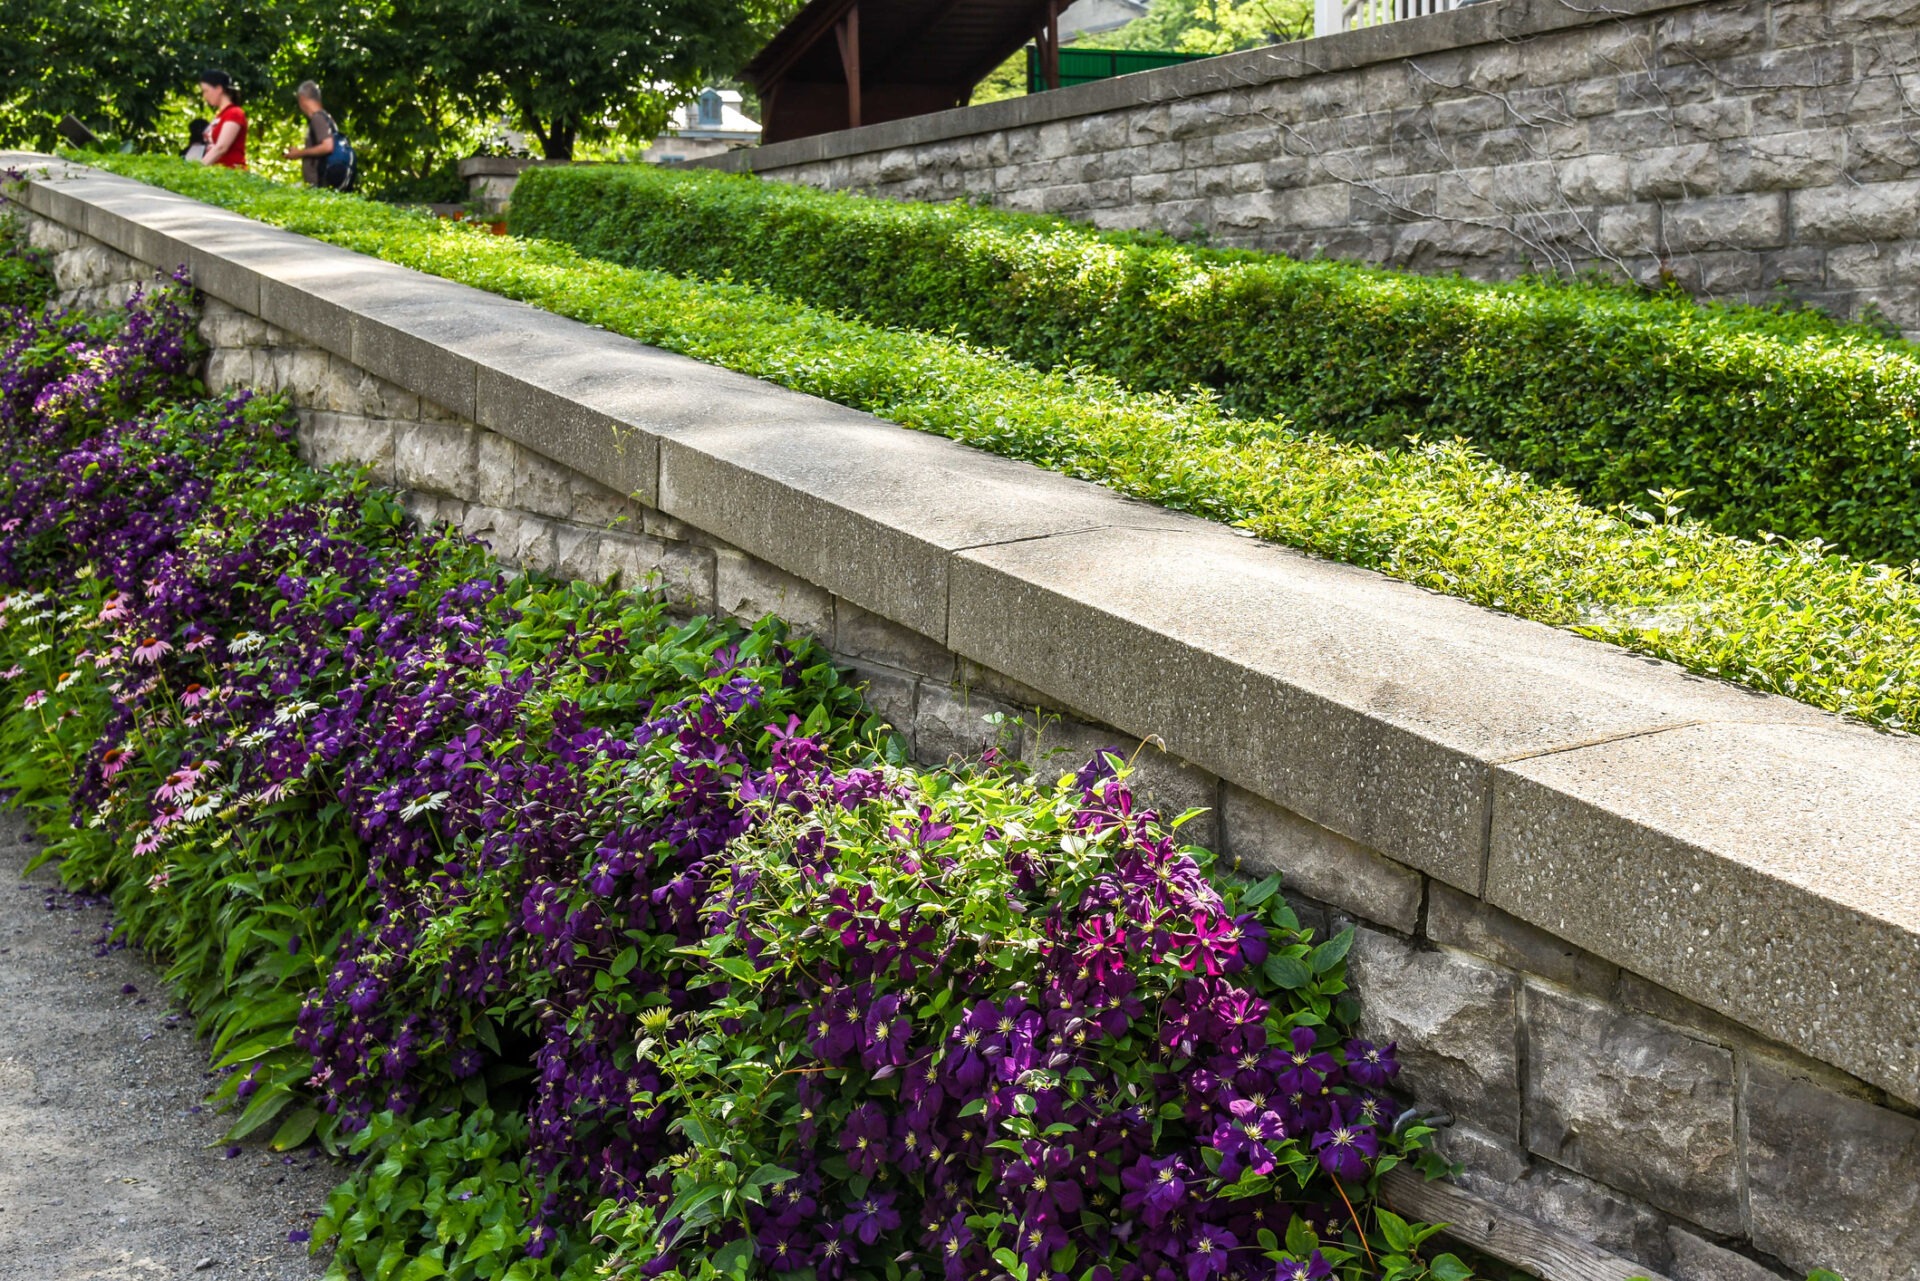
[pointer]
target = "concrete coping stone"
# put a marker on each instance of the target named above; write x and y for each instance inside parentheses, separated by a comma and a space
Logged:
(1474, 24)
(1752, 854)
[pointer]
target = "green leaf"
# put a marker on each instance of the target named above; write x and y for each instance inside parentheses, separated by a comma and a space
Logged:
(1330, 953)
(735, 1256)
(1286, 972)
(295, 1130)
(1394, 1228)
(1260, 893)
(769, 1174)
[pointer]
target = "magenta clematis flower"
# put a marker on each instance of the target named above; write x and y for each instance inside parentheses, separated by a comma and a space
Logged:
(1345, 1150)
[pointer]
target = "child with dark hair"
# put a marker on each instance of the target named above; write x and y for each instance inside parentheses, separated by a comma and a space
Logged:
(196, 141)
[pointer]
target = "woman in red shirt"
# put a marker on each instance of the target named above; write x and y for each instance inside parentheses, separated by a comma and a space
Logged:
(227, 136)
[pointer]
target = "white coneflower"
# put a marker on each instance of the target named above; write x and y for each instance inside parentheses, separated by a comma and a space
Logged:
(247, 642)
(295, 712)
(38, 650)
(65, 682)
(424, 804)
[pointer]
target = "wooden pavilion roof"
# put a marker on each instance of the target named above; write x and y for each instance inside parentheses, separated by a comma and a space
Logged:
(887, 58)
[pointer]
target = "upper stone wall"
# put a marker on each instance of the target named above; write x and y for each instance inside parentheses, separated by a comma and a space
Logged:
(1749, 149)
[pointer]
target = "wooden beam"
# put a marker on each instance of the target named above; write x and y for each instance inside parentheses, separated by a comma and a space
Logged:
(847, 32)
(1545, 1251)
(1049, 42)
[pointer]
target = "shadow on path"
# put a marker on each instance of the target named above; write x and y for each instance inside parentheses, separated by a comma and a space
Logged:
(108, 1167)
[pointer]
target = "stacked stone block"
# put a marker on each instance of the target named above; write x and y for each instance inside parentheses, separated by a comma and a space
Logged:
(1580, 1096)
(1751, 150)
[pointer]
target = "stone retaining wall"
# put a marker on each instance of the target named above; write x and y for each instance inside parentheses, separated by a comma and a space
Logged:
(1593, 1106)
(1750, 149)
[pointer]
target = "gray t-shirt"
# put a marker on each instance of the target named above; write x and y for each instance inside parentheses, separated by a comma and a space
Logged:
(319, 129)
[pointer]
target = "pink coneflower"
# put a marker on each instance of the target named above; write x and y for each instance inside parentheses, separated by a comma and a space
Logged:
(158, 881)
(181, 783)
(194, 694)
(199, 641)
(107, 659)
(149, 842)
(115, 609)
(113, 760)
(12, 672)
(12, 524)
(151, 650)
(36, 698)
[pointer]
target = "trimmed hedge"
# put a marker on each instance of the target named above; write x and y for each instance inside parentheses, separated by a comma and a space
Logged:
(1774, 422)
(1837, 633)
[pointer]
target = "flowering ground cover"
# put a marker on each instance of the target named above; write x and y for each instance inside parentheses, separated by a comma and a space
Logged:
(1836, 632)
(615, 945)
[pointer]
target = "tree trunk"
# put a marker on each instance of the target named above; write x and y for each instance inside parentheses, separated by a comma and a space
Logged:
(556, 141)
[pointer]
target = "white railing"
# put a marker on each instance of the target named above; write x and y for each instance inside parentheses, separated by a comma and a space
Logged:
(1333, 16)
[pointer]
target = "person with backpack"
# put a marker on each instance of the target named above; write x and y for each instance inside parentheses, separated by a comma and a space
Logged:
(327, 159)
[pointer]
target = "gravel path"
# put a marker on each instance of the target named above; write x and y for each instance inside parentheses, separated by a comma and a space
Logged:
(108, 1167)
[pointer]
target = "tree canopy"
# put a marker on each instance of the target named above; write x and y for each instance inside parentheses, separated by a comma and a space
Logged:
(416, 82)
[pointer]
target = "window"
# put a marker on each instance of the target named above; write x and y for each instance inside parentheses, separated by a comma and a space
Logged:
(710, 107)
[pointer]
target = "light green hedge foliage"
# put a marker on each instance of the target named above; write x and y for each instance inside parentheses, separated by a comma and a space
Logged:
(1834, 632)
(1775, 422)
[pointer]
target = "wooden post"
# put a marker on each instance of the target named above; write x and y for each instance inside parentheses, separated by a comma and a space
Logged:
(1049, 43)
(847, 32)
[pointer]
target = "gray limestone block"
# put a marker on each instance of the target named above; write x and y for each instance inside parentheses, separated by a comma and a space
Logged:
(1597, 180)
(682, 572)
(332, 439)
(48, 236)
(494, 457)
(1756, 221)
(890, 694)
(1263, 838)
(229, 367)
(863, 634)
(749, 589)
(440, 458)
(1705, 32)
(603, 507)
(1881, 151)
(1832, 1181)
(542, 485)
(351, 389)
(1460, 920)
(225, 326)
(1697, 1259)
(1636, 1104)
(1854, 212)
(520, 540)
(1802, 158)
(1456, 1021)
(431, 510)
(1159, 779)
(951, 723)
(576, 552)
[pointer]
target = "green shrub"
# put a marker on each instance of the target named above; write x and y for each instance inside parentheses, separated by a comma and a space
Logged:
(1840, 634)
(1781, 422)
